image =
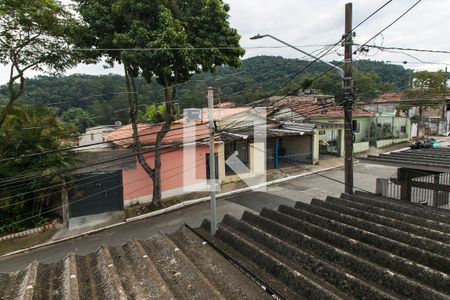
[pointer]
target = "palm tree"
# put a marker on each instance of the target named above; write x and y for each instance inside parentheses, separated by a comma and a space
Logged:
(28, 130)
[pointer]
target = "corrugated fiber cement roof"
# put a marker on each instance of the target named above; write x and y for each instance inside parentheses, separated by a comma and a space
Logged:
(354, 247)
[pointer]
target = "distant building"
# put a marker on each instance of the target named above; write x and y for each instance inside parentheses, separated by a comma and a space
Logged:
(95, 136)
(435, 119)
(294, 100)
(386, 103)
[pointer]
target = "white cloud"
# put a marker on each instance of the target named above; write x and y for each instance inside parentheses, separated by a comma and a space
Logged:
(303, 22)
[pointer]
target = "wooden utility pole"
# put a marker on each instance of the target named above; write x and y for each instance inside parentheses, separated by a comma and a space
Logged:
(212, 160)
(347, 86)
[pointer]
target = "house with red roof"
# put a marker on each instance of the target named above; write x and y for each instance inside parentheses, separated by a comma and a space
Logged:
(183, 171)
(175, 161)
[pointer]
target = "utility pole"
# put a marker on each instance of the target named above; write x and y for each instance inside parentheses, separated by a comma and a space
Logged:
(347, 86)
(212, 160)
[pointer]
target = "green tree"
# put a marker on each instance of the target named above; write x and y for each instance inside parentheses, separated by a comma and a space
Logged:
(79, 117)
(28, 130)
(105, 96)
(367, 85)
(164, 25)
(330, 83)
(157, 113)
(33, 36)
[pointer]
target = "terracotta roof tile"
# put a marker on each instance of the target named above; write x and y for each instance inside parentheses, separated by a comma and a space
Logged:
(123, 136)
(320, 111)
(385, 98)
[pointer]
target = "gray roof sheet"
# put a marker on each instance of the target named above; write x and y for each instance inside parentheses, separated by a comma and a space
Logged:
(430, 159)
(175, 266)
(356, 246)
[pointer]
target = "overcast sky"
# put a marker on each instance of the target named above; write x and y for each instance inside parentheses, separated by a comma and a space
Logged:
(306, 22)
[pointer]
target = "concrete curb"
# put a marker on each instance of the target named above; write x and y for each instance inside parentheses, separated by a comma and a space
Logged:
(226, 194)
(170, 209)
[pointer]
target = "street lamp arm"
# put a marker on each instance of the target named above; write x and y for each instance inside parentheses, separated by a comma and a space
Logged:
(338, 70)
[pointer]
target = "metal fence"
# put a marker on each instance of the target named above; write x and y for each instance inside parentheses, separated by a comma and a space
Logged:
(425, 196)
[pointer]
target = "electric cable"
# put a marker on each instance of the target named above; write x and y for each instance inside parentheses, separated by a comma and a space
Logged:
(93, 144)
(374, 36)
(81, 199)
(66, 183)
(7, 183)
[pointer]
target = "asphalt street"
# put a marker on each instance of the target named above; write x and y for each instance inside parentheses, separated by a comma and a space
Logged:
(300, 189)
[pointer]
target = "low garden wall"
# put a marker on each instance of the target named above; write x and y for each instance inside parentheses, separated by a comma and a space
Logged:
(360, 147)
(388, 142)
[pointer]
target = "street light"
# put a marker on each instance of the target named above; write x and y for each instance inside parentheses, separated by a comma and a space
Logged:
(336, 68)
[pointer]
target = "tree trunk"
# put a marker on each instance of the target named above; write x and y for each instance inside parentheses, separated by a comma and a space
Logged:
(156, 202)
(132, 102)
(13, 95)
(155, 172)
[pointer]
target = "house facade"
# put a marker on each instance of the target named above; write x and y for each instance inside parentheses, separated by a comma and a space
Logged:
(181, 170)
(434, 118)
(285, 143)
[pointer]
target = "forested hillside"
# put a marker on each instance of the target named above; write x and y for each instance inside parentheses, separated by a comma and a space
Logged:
(104, 97)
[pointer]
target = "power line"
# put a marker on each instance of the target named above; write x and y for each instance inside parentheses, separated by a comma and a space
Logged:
(66, 183)
(332, 47)
(369, 16)
(93, 144)
(162, 48)
(77, 147)
(74, 180)
(374, 36)
(10, 182)
(390, 24)
(406, 49)
(411, 56)
(84, 198)
(328, 49)
(404, 62)
(54, 186)
(171, 86)
(289, 80)
(50, 187)
(7, 183)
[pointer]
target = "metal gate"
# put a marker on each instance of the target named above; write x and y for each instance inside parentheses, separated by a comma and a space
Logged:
(329, 144)
(96, 193)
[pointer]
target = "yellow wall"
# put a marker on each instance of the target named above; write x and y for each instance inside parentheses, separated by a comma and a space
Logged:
(257, 160)
(221, 158)
(315, 147)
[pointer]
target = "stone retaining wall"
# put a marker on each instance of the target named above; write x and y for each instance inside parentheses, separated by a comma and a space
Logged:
(27, 232)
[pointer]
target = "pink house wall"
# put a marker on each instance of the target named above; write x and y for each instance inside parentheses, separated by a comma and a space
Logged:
(136, 183)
